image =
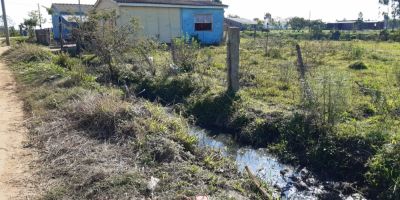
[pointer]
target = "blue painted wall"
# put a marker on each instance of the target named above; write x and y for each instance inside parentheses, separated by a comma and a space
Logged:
(67, 27)
(206, 37)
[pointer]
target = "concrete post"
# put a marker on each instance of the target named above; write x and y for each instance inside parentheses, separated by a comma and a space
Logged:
(233, 58)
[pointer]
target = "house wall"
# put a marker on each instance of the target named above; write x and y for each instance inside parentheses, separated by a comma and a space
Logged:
(162, 24)
(56, 29)
(67, 27)
(206, 37)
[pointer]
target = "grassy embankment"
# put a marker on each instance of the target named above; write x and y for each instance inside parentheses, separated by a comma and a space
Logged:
(95, 144)
(348, 132)
(352, 133)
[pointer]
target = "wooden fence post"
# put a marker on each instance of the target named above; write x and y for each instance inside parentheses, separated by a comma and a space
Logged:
(60, 23)
(233, 58)
(300, 63)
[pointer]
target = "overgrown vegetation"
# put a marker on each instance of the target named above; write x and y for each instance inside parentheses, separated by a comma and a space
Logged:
(352, 115)
(95, 143)
(348, 131)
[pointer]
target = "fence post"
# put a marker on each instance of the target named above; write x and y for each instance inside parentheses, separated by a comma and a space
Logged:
(233, 58)
(60, 23)
(300, 63)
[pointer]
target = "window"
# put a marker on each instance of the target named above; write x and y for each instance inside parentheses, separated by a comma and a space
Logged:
(203, 23)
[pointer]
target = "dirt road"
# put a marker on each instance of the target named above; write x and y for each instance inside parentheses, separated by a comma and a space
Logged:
(14, 159)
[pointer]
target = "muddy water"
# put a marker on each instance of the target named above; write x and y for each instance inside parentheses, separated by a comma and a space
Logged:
(288, 181)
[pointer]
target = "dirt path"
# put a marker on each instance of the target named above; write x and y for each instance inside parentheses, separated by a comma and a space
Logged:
(14, 159)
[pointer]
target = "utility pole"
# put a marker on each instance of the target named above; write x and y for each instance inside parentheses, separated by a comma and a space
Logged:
(78, 41)
(40, 16)
(80, 10)
(6, 31)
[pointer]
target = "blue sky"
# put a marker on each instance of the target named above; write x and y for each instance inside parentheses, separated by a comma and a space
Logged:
(327, 10)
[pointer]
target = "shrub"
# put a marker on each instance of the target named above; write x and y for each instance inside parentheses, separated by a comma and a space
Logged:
(384, 172)
(173, 89)
(359, 65)
(28, 53)
(64, 60)
(77, 76)
(185, 53)
(214, 110)
(20, 40)
(384, 35)
(330, 96)
(396, 72)
(274, 53)
(395, 36)
(356, 52)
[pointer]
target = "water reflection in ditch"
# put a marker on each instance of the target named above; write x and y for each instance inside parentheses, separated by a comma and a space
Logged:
(291, 183)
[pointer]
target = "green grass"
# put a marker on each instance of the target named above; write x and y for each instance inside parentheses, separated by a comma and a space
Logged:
(348, 131)
(357, 109)
(96, 144)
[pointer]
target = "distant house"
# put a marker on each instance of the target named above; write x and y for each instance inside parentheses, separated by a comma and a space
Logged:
(165, 20)
(66, 16)
(242, 23)
(354, 24)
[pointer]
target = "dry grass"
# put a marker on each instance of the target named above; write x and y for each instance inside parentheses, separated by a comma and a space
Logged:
(77, 165)
(93, 144)
(28, 53)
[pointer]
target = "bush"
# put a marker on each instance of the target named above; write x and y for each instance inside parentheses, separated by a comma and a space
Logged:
(64, 60)
(358, 66)
(384, 172)
(214, 110)
(356, 52)
(395, 36)
(173, 89)
(185, 54)
(274, 53)
(77, 76)
(384, 35)
(28, 53)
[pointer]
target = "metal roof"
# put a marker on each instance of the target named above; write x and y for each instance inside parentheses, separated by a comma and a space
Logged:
(174, 2)
(71, 8)
(242, 20)
(353, 21)
(75, 18)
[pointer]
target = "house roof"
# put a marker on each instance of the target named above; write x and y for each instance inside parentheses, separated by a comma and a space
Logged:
(353, 21)
(174, 2)
(242, 20)
(71, 8)
(75, 18)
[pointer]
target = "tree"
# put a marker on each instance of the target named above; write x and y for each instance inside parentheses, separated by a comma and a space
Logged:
(395, 4)
(267, 16)
(30, 25)
(297, 23)
(360, 20)
(36, 16)
(13, 32)
(109, 42)
(9, 21)
(360, 16)
(316, 27)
